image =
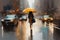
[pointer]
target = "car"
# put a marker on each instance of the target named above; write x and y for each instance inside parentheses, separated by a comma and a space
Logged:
(47, 18)
(9, 21)
(23, 17)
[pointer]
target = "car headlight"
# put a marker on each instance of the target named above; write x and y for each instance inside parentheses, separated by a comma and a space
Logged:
(11, 20)
(20, 18)
(45, 18)
(51, 18)
(2, 20)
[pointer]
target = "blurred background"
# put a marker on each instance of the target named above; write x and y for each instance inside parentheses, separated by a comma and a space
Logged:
(14, 22)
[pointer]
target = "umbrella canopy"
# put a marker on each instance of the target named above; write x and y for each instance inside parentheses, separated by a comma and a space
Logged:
(27, 10)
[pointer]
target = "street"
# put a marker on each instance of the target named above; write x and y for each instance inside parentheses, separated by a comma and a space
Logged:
(22, 32)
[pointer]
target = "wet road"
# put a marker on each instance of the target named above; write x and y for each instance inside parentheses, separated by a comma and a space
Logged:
(22, 32)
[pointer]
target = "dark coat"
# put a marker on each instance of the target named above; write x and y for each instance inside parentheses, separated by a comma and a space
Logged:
(31, 17)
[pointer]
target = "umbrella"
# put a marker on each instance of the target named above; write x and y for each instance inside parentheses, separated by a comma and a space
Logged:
(27, 10)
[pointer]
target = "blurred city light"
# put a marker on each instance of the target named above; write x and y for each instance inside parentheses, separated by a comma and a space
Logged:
(31, 3)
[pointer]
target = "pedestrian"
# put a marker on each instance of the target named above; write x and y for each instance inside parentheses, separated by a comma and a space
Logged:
(31, 18)
(31, 21)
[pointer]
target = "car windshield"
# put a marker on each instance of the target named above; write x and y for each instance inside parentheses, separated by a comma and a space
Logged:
(24, 17)
(10, 17)
(46, 16)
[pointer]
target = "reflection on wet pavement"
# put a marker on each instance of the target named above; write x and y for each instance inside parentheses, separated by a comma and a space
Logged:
(22, 31)
(51, 31)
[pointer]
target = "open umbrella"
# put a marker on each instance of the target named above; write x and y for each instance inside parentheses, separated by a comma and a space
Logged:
(27, 10)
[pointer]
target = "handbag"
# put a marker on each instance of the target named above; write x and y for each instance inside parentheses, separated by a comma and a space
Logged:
(33, 20)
